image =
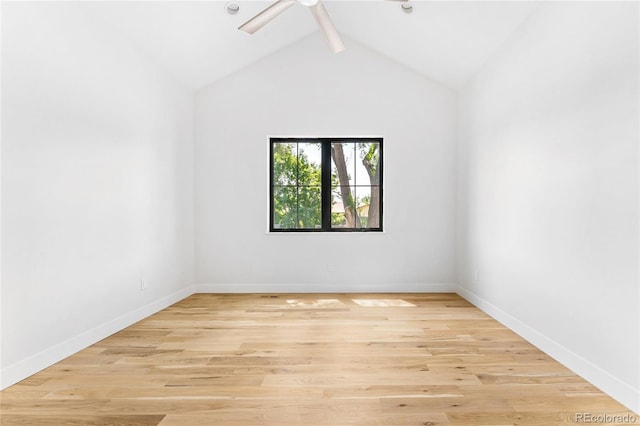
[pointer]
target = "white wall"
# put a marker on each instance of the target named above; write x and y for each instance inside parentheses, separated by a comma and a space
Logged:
(304, 89)
(549, 174)
(97, 185)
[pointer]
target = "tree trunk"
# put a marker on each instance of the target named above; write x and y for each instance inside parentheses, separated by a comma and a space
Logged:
(350, 213)
(374, 204)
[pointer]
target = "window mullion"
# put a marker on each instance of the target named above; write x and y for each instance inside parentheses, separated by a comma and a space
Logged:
(271, 183)
(297, 185)
(326, 185)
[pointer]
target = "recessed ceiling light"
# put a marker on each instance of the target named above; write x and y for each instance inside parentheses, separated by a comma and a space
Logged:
(407, 7)
(232, 8)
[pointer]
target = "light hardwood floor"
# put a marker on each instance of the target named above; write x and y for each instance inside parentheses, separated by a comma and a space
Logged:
(329, 359)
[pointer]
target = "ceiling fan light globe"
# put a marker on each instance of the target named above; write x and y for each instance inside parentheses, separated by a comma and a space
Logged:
(308, 3)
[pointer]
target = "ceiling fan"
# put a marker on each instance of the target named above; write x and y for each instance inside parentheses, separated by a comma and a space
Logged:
(317, 9)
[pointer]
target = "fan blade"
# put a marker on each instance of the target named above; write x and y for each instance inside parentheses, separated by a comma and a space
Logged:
(327, 27)
(264, 17)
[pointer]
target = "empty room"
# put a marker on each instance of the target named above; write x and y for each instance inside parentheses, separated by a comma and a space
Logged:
(320, 212)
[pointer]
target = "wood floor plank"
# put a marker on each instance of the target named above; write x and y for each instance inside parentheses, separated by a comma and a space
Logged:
(308, 359)
(82, 420)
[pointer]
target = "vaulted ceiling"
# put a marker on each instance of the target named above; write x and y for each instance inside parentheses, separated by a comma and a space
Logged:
(199, 43)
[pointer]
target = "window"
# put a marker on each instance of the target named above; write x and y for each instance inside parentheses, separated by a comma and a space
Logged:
(326, 184)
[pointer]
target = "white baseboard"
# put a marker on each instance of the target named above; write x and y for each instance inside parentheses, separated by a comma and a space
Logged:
(29, 366)
(611, 385)
(326, 288)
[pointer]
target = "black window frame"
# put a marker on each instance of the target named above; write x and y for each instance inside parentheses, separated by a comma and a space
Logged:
(326, 186)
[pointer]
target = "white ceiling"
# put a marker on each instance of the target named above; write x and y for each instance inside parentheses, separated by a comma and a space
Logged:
(199, 43)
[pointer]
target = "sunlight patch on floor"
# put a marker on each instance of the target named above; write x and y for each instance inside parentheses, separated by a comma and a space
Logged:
(383, 302)
(318, 303)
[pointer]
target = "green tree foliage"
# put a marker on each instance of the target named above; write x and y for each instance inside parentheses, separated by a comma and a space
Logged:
(297, 196)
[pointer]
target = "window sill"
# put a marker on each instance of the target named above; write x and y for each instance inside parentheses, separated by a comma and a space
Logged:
(326, 233)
